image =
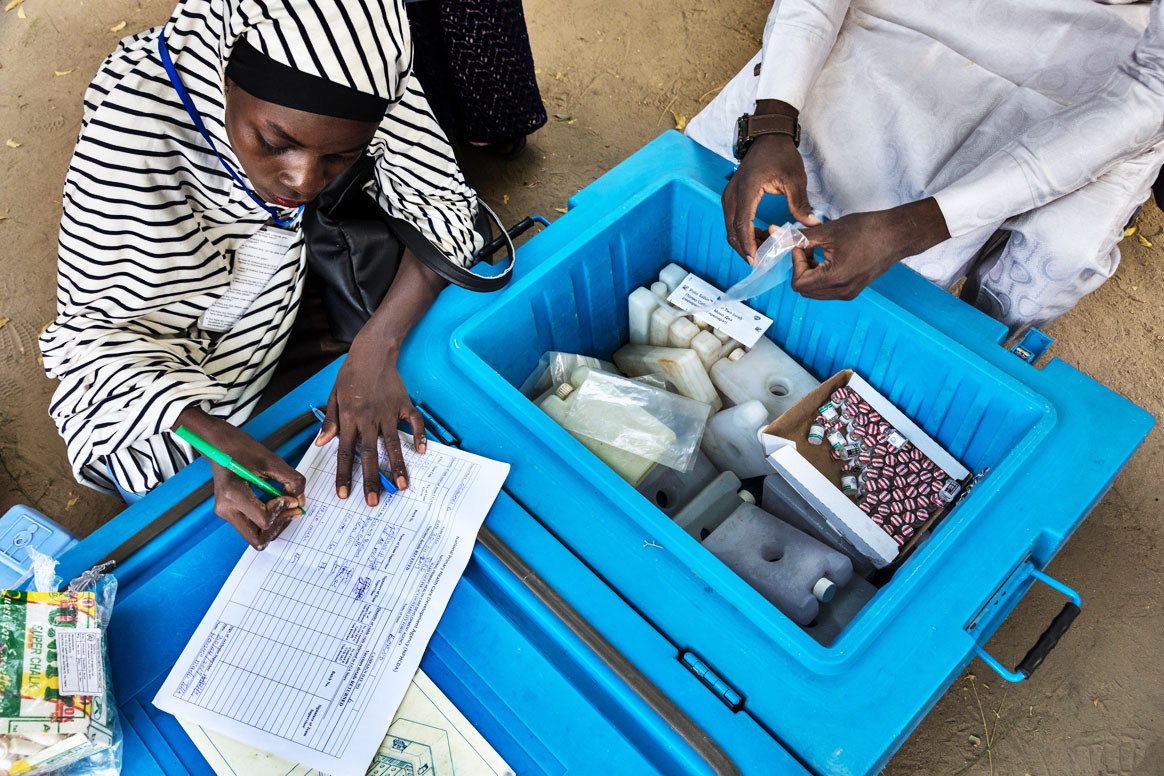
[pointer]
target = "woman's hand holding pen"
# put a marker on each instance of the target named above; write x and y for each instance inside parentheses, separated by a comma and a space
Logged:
(234, 500)
(369, 398)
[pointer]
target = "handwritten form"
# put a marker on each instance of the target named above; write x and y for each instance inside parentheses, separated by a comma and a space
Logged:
(310, 646)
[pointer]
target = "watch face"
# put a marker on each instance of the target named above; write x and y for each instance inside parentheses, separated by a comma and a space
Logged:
(742, 139)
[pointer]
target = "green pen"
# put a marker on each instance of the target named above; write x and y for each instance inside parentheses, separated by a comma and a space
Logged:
(226, 462)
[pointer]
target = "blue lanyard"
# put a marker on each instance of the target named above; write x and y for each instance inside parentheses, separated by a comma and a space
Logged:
(184, 96)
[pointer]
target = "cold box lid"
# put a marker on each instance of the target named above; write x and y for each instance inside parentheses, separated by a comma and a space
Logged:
(844, 708)
(540, 696)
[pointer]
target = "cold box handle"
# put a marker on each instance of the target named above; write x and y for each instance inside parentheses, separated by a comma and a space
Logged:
(1047, 640)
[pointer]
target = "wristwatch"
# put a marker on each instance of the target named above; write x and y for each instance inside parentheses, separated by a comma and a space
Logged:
(750, 126)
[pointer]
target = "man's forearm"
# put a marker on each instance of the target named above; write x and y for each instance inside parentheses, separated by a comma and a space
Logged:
(798, 38)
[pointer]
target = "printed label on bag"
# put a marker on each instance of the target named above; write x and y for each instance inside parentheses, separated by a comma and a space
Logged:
(81, 669)
(735, 319)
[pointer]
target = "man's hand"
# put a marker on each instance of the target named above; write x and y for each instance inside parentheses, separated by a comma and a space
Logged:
(772, 165)
(234, 501)
(858, 248)
(368, 401)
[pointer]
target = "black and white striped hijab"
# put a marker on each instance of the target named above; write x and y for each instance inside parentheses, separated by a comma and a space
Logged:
(151, 222)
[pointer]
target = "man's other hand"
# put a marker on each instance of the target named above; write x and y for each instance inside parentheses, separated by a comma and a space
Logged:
(859, 247)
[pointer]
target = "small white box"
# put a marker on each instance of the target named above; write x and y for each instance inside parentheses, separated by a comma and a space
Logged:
(813, 474)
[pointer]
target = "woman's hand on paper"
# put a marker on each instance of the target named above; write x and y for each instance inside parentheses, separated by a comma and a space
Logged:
(369, 398)
(235, 501)
(368, 401)
(859, 247)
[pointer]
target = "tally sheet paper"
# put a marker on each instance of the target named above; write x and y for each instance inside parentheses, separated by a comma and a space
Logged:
(309, 648)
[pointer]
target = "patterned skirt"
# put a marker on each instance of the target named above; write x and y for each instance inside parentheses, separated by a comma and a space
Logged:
(474, 61)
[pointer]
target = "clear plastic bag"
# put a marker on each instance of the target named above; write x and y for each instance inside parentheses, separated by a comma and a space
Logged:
(773, 266)
(45, 731)
(638, 418)
(555, 368)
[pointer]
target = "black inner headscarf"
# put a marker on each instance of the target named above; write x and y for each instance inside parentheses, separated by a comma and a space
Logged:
(263, 77)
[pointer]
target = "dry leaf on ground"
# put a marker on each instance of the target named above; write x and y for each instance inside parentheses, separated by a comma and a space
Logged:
(64, 72)
(118, 27)
(12, 4)
(11, 143)
(680, 120)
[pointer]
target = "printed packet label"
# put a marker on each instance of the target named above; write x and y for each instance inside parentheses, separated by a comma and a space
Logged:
(82, 671)
(735, 319)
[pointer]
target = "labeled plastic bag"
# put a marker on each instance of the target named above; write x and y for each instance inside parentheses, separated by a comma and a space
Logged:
(57, 711)
(773, 266)
(555, 368)
(638, 418)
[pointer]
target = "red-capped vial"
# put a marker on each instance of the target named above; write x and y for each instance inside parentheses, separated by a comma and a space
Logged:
(907, 531)
(925, 476)
(910, 504)
(911, 491)
(884, 510)
(888, 528)
(896, 507)
(898, 538)
(899, 481)
(876, 518)
(912, 479)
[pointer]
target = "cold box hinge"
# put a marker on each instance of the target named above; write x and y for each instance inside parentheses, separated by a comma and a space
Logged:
(1033, 344)
(732, 699)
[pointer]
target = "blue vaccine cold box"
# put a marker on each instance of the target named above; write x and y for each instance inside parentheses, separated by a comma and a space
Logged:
(590, 634)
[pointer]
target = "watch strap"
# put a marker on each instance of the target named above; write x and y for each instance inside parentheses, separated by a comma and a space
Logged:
(773, 124)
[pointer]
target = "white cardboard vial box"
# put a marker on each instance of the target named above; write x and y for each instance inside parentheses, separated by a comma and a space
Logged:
(816, 477)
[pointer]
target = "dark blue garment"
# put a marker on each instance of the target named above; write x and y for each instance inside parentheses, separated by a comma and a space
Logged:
(474, 61)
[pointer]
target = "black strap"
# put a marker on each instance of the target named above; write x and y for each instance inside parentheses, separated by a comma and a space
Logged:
(432, 256)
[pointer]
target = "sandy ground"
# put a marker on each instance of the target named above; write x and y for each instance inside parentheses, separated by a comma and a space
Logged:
(611, 75)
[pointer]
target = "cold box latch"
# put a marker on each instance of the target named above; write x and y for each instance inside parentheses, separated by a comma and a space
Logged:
(732, 699)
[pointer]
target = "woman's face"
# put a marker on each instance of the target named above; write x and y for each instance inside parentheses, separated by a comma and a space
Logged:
(290, 155)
